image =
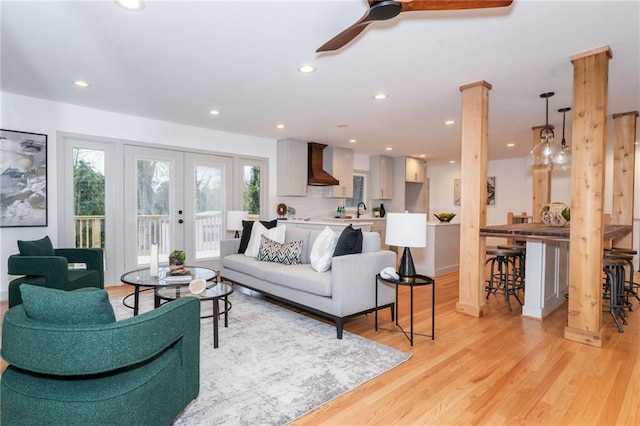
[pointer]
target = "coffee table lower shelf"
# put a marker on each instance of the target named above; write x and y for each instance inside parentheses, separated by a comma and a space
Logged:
(215, 292)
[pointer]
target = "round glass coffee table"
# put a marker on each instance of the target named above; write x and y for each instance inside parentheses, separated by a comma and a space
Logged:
(215, 292)
(142, 278)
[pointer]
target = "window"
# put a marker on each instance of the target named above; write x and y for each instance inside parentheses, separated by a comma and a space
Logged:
(359, 190)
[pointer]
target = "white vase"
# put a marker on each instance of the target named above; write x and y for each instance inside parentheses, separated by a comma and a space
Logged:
(153, 261)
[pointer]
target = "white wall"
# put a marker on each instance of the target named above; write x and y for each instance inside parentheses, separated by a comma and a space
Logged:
(514, 189)
(40, 116)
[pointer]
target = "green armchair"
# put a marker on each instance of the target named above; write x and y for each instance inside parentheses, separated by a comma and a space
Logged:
(45, 266)
(138, 371)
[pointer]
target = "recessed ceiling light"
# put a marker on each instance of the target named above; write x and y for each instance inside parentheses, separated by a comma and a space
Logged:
(81, 83)
(511, 145)
(130, 4)
(280, 126)
(450, 122)
(380, 96)
(214, 112)
(422, 155)
(306, 69)
(389, 148)
(352, 141)
(452, 161)
(342, 125)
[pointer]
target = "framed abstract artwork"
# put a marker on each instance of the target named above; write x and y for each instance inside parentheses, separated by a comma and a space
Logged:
(23, 179)
(491, 191)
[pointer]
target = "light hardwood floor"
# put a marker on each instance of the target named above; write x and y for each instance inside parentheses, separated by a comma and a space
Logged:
(499, 369)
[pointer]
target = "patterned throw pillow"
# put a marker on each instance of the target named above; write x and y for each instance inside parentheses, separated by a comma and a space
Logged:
(273, 251)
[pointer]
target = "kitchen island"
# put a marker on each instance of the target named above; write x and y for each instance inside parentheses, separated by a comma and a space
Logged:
(442, 253)
(547, 266)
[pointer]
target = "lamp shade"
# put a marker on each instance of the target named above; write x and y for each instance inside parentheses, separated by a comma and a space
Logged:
(406, 229)
(235, 218)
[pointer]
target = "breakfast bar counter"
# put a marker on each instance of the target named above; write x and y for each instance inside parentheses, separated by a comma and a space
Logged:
(547, 265)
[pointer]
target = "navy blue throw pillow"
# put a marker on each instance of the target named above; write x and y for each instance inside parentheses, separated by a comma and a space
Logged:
(349, 242)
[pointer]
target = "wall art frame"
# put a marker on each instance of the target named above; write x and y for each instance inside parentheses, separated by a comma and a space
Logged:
(491, 191)
(23, 179)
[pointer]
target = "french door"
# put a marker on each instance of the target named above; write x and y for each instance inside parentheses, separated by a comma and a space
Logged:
(177, 200)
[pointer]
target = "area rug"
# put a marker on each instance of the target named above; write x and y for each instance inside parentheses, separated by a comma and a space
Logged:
(274, 365)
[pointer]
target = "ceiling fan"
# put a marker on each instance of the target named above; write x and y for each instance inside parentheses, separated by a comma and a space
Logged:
(387, 9)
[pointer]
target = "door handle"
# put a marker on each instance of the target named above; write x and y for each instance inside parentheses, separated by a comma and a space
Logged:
(180, 221)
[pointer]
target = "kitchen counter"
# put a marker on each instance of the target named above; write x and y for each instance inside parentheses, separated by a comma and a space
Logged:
(442, 253)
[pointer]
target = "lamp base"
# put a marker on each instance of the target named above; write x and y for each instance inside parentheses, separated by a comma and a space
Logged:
(407, 271)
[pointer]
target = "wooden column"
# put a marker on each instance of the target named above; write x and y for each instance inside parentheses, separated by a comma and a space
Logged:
(541, 181)
(473, 193)
(588, 146)
(624, 155)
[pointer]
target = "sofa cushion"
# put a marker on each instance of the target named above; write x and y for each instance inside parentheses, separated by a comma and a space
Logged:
(322, 250)
(248, 265)
(370, 242)
(276, 234)
(350, 242)
(85, 306)
(247, 227)
(285, 253)
(299, 234)
(300, 277)
(42, 247)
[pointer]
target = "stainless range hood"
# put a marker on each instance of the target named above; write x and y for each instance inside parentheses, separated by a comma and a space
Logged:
(316, 174)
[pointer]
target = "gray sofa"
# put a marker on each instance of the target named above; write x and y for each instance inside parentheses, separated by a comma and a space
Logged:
(346, 290)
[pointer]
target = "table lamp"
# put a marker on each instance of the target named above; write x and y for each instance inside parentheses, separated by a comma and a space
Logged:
(406, 230)
(234, 221)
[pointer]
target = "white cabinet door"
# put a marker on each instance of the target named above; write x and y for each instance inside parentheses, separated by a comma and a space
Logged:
(381, 177)
(414, 170)
(292, 168)
(338, 162)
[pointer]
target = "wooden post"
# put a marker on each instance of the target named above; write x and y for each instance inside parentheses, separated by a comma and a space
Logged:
(624, 155)
(588, 146)
(473, 193)
(541, 181)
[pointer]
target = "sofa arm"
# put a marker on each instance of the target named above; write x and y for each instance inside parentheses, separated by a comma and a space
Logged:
(91, 349)
(54, 269)
(353, 281)
(228, 247)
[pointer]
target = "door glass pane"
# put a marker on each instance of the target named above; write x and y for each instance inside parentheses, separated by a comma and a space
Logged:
(88, 197)
(154, 203)
(209, 205)
(251, 191)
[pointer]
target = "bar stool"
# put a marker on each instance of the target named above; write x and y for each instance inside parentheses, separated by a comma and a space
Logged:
(520, 263)
(630, 285)
(500, 279)
(614, 289)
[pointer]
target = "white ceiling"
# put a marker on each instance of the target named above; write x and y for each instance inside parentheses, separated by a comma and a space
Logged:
(176, 60)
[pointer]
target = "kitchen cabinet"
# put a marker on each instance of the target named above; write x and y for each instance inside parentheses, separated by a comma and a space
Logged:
(408, 195)
(381, 177)
(338, 162)
(414, 170)
(292, 168)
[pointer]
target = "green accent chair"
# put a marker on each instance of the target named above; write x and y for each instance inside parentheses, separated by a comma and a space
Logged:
(139, 371)
(45, 266)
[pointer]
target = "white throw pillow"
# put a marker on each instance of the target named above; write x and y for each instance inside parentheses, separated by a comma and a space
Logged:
(322, 250)
(276, 234)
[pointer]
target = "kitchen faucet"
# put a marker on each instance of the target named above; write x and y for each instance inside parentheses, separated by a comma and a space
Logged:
(363, 206)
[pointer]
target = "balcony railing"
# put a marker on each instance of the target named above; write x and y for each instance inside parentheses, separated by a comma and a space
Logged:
(89, 232)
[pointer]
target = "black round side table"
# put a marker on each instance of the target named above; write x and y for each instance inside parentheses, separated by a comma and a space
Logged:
(417, 281)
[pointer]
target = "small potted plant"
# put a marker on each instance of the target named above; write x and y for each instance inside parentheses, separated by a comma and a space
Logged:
(176, 262)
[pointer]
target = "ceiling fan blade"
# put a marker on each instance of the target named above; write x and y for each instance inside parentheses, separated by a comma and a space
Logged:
(417, 5)
(347, 35)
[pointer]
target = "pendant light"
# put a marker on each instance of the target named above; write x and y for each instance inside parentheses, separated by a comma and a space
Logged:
(543, 153)
(562, 159)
